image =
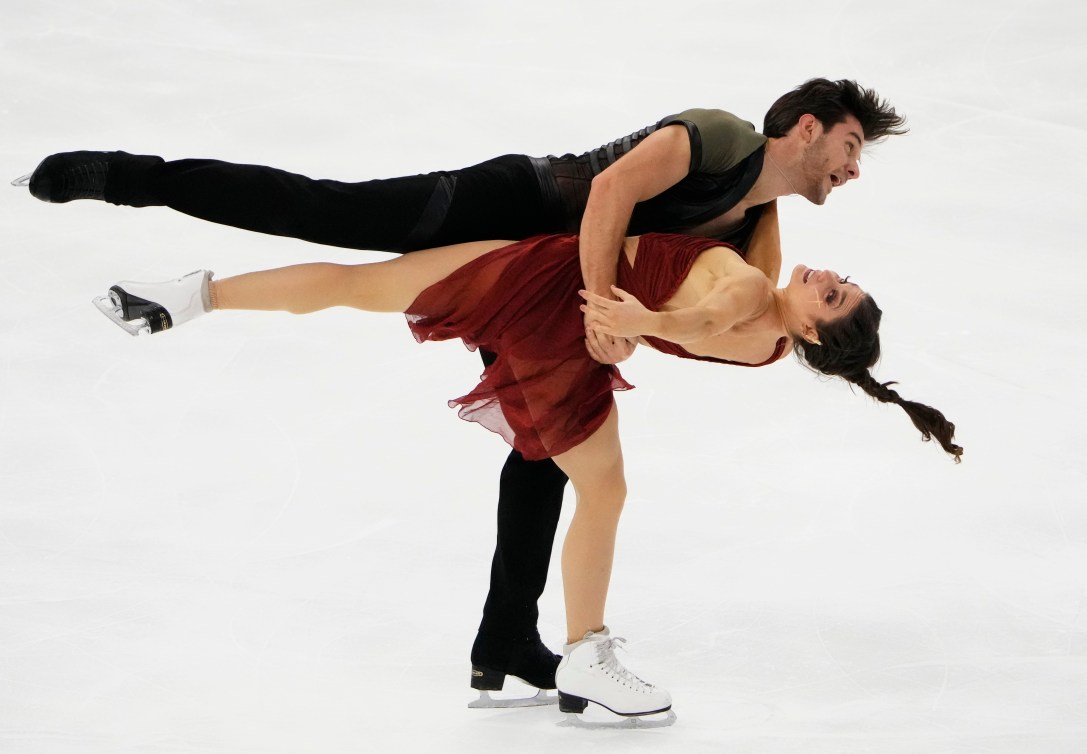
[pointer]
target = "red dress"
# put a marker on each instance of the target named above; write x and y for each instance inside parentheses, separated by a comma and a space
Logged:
(544, 394)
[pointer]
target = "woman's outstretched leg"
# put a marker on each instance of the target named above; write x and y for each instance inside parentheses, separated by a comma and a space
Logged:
(589, 670)
(388, 286)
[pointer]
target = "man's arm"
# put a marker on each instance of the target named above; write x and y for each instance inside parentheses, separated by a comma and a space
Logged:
(659, 162)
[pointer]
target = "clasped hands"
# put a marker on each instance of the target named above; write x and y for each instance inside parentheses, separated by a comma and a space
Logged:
(612, 326)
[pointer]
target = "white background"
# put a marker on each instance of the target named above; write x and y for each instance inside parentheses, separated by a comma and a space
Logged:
(266, 533)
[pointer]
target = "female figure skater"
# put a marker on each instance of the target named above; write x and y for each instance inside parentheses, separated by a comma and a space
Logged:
(690, 297)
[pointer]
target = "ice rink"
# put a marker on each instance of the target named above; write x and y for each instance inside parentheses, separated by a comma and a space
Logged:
(267, 534)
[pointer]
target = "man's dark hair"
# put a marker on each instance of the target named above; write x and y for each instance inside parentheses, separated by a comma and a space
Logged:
(830, 102)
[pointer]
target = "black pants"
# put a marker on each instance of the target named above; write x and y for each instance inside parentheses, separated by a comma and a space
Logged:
(497, 199)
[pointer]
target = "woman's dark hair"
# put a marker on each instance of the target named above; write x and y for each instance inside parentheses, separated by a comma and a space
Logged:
(850, 348)
(830, 102)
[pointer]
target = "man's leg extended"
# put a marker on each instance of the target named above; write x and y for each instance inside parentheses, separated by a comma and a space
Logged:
(377, 214)
(497, 199)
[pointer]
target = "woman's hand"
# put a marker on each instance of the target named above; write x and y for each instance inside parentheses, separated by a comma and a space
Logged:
(625, 318)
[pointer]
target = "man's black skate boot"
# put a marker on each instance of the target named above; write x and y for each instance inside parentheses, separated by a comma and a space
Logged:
(66, 176)
(527, 658)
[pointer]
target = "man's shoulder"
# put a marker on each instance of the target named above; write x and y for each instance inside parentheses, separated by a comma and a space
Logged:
(723, 139)
(711, 116)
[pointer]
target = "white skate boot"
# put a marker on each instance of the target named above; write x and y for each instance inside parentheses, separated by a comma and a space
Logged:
(590, 672)
(143, 308)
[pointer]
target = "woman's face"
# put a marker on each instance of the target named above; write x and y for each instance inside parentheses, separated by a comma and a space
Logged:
(817, 296)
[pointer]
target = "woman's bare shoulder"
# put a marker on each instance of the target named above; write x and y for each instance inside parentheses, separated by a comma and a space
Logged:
(724, 262)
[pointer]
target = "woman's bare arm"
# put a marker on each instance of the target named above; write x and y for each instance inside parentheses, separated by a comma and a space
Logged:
(733, 298)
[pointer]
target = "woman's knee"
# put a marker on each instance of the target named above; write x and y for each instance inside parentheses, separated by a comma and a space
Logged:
(605, 499)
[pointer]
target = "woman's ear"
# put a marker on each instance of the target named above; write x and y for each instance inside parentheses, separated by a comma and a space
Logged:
(810, 334)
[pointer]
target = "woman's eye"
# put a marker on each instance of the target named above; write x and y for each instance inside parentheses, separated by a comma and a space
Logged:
(832, 296)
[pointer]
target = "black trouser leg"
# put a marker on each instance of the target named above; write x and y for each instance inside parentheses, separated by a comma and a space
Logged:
(378, 214)
(529, 504)
(497, 199)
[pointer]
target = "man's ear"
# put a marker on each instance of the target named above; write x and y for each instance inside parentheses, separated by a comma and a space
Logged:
(808, 126)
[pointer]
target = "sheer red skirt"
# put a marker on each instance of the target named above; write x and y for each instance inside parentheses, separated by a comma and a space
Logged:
(543, 394)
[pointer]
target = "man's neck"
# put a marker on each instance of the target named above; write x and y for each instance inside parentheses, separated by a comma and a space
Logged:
(773, 181)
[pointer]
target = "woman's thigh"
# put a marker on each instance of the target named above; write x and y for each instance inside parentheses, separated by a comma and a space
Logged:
(595, 466)
(394, 284)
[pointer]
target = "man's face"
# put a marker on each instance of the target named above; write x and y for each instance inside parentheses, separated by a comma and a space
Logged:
(831, 159)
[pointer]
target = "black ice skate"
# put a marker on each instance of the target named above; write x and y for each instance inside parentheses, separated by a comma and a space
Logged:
(145, 308)
(60, 178)
(526, 660)
(115, 177)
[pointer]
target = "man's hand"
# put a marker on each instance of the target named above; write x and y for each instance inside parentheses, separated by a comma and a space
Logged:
(608, 350)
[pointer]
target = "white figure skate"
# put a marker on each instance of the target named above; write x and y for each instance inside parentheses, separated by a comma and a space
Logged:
(145, 308)
(590, 672)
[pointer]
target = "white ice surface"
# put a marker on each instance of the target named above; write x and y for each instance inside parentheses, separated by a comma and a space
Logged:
(264, 533)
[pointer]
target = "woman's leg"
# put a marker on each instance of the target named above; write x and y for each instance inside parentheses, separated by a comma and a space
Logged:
(589, 670)
(595, 468)
(388, 286)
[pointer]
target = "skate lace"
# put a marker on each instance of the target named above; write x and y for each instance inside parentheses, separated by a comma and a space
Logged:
(605, 655)
(85, 180)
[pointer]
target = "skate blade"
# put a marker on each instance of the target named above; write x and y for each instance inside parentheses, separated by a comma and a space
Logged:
(22, 180)
(644, 722)
(111, 307)
(486, 701)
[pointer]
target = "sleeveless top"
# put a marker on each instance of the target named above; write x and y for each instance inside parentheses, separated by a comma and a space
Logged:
(726, 159)
(543, 393)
